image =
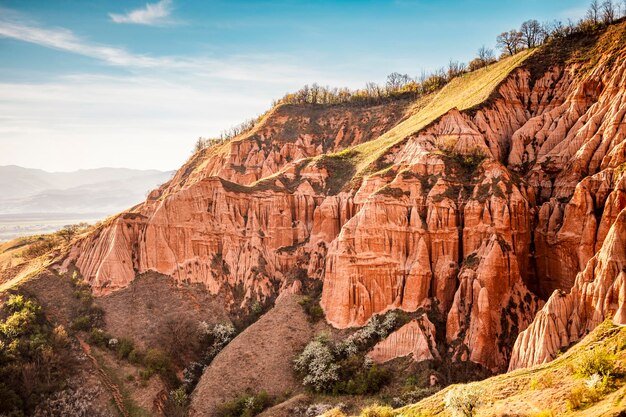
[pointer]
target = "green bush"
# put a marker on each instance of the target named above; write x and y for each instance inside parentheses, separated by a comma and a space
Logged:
(124, 348)
(595, 361)
(34, 357)
(145, 374)
(156, 360)
(246, 405)
(312, 308)
(81, 323)
(136, 356)
(99, 338)
(575, 399)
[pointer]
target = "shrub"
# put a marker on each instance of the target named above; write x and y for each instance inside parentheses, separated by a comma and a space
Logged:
(334, 412)
(312, 308)
(575, 398)
(463, 400)
(246, 405)
(124, 348)
(176, 403)
(135, 356)
(543, 413)
(317, 364)
(215, 338)
(145, 374)
(34, 357)
(156, 360)
(81, 323)
(595, 361)
(42, 246)
(99, 338)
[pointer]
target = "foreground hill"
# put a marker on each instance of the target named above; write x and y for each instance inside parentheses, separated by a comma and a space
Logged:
(565, 387)
(478, 229)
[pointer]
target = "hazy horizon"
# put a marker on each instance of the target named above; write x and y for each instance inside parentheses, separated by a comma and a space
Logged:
(133, 85)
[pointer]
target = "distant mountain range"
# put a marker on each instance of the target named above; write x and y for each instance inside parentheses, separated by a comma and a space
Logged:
(102, 190)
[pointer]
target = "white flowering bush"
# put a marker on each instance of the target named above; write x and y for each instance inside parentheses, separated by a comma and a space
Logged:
(317, 364)
(463, 400)
(594, 381)
(376, 329)
(217, 337)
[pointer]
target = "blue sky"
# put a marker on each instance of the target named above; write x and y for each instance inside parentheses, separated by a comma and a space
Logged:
(135, 83)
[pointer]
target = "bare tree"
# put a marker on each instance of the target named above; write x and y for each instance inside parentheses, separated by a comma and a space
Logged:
(608, 12)
(395, 81)
(510, 42)
(593, 13)
(532, 33)
(455, 68)
(199, 145)
(486, 55)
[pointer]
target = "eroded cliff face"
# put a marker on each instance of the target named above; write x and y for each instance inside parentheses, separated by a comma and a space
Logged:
(480, 215)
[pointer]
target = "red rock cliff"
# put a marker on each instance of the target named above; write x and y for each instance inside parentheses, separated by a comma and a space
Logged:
(482, 211)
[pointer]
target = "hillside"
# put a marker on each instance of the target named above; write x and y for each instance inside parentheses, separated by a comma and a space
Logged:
(376, 250)
(561, 387)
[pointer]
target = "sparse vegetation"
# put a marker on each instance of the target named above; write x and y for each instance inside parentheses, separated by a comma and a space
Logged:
(342, 367)
(463, 400)
(89, 315)
(34, 356)
(312, 308)
(246, 405)
(377, 411)
(596, 361)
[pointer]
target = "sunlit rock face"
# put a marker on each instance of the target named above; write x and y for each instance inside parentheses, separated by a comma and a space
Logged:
(484, 215)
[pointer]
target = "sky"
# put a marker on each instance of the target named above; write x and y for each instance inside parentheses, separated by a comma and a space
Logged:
(133, 83)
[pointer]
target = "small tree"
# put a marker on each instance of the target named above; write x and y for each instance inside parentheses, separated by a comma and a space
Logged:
(463, 400)
(510, 42)
(608, 12)
(455, 68)
(593, 13)
(395, 81)
(68, 232)
(486, 55)
(532, 33)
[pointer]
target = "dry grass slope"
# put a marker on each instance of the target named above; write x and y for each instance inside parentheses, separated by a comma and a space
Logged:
(546, 388)
(461, 93)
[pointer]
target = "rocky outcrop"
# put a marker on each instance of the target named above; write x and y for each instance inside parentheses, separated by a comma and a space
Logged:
(416, 338)
(599, 293)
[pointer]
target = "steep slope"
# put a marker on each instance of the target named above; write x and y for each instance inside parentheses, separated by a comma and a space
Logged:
(549, 389)
(266, 368)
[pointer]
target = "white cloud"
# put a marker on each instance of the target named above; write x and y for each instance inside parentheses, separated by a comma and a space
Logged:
(152, 14)
(266, 68)
(116, 121)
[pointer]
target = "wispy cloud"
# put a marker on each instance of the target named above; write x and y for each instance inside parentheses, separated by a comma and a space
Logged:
(264, 68)
(153, 14)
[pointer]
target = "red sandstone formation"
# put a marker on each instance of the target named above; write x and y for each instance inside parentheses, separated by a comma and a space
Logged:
(474, 214)
(416, 338)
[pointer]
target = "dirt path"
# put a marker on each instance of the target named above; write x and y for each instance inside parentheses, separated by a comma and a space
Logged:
(110, 385)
